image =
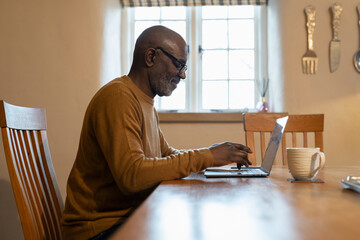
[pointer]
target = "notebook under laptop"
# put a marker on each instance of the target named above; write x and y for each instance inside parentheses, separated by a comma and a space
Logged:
(269, 157)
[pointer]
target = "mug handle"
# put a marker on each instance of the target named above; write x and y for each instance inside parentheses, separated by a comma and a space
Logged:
(321, 163)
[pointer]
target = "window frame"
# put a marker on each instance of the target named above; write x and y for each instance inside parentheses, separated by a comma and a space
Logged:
(193, 93)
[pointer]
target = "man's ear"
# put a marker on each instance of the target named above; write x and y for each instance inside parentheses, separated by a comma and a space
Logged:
(150, 57)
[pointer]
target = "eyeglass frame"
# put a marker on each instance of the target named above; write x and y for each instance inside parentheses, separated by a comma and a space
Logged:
(183, 66)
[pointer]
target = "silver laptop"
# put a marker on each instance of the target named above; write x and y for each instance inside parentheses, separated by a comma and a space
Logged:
(269, 157)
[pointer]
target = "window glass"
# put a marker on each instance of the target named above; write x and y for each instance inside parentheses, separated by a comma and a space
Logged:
(214, 64)
(241, 12)
(214, 34)
(241, 94)
(215, 95)
(241, 33)
(241, 64)
(228, 51)
(214, 12)
(174, 13)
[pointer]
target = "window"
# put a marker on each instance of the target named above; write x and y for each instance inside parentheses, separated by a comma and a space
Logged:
(226, 45)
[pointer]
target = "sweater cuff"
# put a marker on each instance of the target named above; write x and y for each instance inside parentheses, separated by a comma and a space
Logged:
(208, 159)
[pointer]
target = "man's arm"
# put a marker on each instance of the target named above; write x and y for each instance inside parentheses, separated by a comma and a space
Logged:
(119, 128)
(223, 153)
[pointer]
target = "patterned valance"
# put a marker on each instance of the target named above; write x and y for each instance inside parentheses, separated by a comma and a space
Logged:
(167, 3)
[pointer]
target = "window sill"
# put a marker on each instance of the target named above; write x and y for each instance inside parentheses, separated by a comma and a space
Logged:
(233, 117)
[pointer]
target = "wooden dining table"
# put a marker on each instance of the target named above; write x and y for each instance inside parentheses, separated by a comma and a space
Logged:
(197, 208)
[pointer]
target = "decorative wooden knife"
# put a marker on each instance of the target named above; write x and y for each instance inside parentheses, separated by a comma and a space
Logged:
(357, 54)
(336, 10)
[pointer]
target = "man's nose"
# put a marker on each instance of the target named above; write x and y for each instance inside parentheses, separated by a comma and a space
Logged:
(182, 75)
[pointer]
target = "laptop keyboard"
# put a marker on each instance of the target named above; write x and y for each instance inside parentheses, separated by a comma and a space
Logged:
(250, 171)
(254, 171)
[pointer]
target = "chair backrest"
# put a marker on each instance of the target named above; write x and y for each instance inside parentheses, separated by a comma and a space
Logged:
(297, 124)
(31, 171)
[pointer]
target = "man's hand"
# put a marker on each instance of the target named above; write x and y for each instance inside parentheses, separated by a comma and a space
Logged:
(228, 152)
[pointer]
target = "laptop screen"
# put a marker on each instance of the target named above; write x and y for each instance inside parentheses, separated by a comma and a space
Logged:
(274, 143)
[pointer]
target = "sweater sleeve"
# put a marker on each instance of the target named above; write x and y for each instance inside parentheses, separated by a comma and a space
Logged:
(117, 124)
(166, 149)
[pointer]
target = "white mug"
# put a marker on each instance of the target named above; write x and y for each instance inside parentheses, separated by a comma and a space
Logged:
(304, 163)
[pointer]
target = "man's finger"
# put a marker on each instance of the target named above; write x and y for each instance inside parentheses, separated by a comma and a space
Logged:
(243, 159)
(244, 162)
(247, 161)
(242, 154)
(240, 160)
(242, 147)
(239, 165)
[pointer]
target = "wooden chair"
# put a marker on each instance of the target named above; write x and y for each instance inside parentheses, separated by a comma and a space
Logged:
(31, 171)
(297, 124)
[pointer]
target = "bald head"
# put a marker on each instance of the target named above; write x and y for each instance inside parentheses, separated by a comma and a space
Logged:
(157, 36)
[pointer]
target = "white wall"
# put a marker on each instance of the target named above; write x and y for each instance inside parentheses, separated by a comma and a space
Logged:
(54, 55)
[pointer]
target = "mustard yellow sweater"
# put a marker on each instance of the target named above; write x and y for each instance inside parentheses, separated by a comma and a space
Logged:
(122, 156)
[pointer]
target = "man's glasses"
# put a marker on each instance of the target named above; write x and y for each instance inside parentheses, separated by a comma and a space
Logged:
(180, 65)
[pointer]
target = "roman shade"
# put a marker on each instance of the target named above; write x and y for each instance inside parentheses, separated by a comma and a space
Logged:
(164, 3)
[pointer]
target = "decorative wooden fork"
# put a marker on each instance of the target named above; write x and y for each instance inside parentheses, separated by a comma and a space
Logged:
(310, 60)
